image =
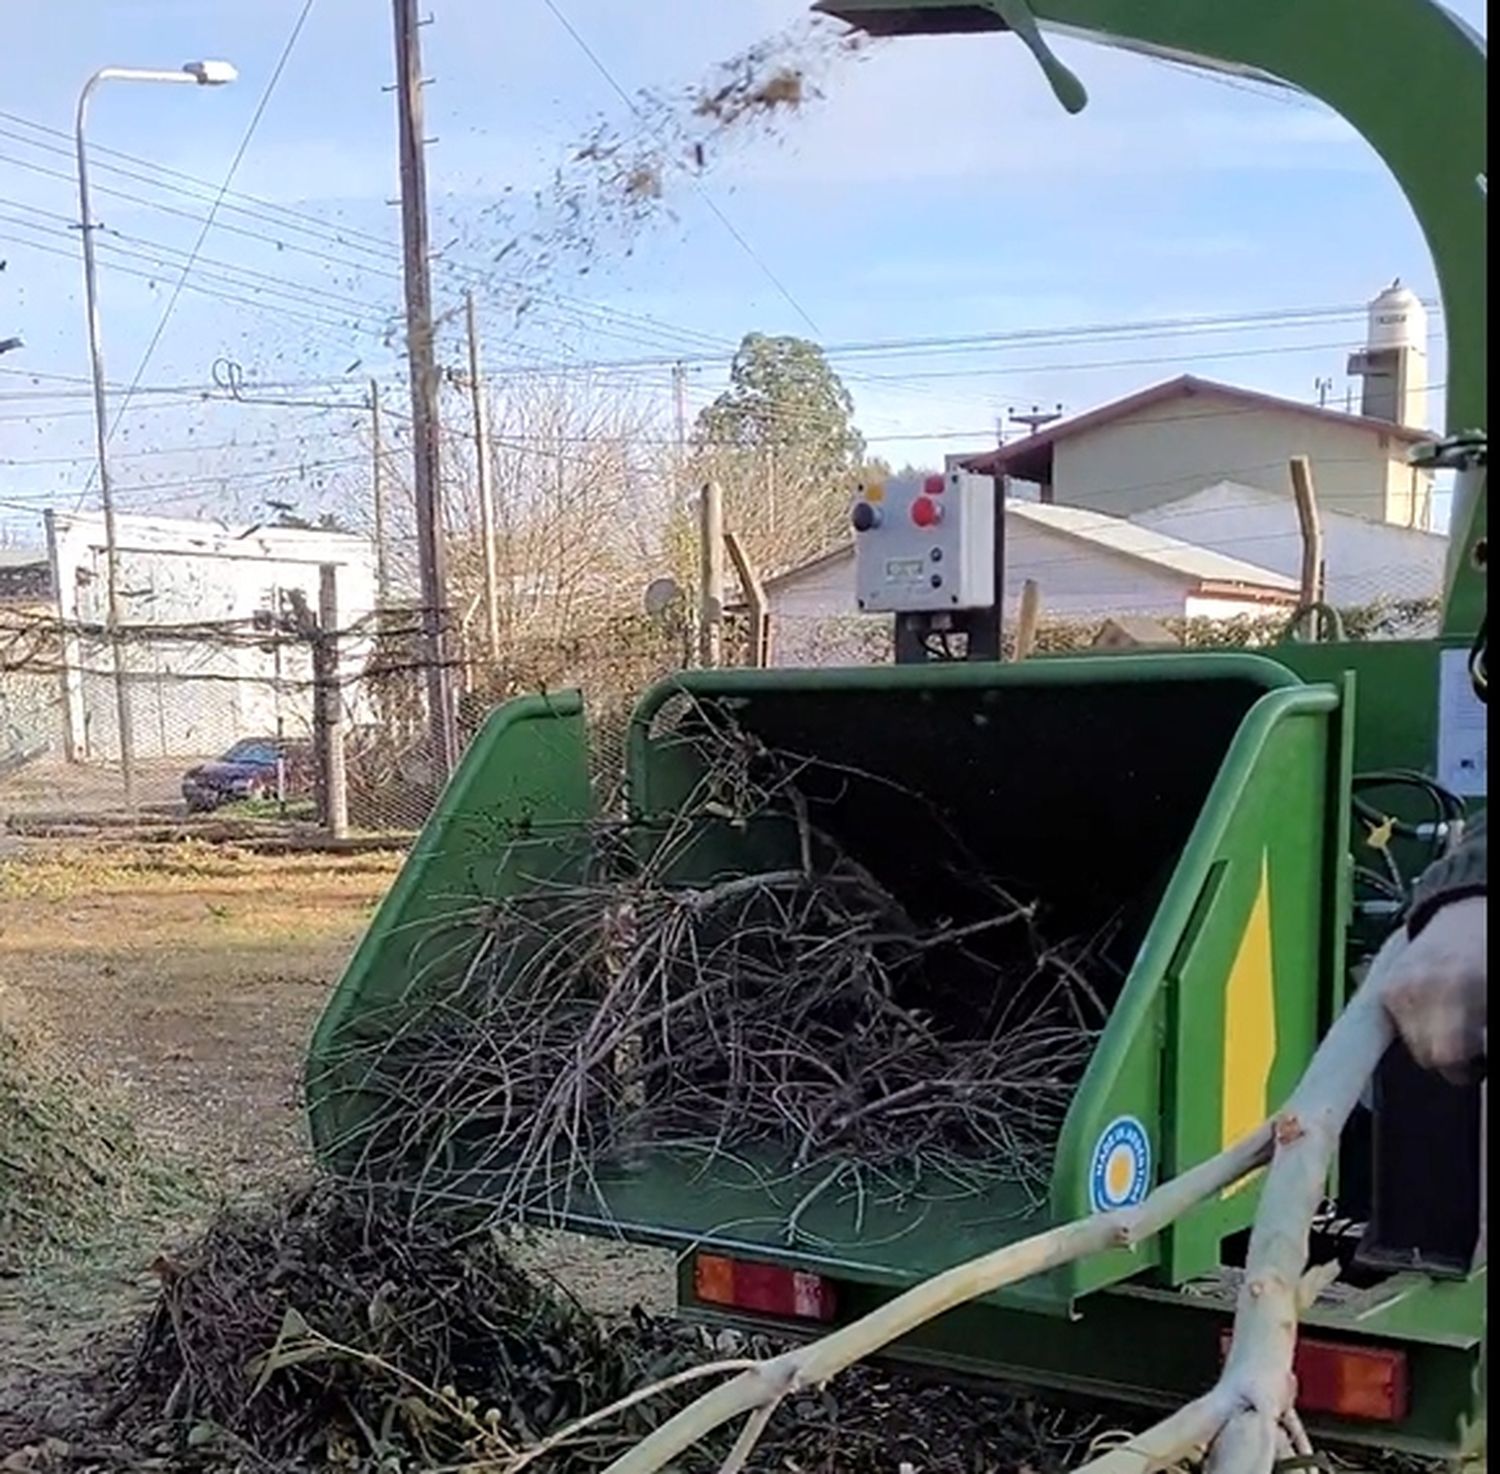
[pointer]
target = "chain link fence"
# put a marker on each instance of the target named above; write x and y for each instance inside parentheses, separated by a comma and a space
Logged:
(231, 732)
(231, 723)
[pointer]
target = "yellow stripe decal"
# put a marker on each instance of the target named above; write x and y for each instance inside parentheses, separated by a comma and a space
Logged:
(1250, 1022)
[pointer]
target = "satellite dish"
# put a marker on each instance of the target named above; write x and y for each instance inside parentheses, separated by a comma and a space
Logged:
(661, 595)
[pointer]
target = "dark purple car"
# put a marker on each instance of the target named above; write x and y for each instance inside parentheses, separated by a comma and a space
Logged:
(254, 768)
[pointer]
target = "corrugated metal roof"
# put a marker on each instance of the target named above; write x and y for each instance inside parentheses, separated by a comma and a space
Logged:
(1147, 545)
(1114, 535)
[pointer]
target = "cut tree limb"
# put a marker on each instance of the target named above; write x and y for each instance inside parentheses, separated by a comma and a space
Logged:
(1256, 1389)
(1249, 1415)
(765, 1385)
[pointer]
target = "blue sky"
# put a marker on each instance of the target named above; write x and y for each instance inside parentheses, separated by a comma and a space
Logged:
(933, 189)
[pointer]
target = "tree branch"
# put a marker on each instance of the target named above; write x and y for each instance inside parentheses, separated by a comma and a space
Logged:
(820, 1361)
(1249, 1415)
(1256, 1392)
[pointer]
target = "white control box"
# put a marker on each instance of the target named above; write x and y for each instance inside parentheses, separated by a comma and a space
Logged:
(924, 544)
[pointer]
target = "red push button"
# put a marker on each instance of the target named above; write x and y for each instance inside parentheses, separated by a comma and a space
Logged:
(926, 512)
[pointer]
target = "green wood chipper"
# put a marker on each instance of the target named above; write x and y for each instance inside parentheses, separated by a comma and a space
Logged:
(1215, 810)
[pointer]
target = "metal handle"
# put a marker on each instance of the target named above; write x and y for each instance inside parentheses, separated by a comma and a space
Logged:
(1066, 87)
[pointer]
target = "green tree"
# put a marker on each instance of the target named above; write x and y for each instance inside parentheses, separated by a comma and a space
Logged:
(782, 442)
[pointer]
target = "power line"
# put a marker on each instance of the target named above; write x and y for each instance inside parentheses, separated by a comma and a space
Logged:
(343, 325)
(161, 254)
(346, 236)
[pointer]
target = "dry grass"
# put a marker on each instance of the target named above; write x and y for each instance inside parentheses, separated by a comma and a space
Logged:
(189, 977)
(183, 982)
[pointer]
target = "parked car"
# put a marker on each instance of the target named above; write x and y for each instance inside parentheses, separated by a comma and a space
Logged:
(254, 768)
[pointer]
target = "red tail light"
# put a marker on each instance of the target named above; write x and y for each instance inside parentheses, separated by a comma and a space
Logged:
(765, 1289)
(1369, 1383)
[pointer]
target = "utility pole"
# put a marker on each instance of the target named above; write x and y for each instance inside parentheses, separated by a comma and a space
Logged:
(424, 388)
(486, 487)
(377, 483)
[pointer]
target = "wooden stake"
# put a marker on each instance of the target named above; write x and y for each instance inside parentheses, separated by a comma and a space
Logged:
(755, 600)
(711, 576)
(1028, 619)
(328, 708)
(1311, 582)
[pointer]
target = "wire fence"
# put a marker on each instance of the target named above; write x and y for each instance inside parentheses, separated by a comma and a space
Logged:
(232, 722)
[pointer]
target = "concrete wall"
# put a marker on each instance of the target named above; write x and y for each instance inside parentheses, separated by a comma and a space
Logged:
(1365, 560)
(195, 690)
(1168, 450)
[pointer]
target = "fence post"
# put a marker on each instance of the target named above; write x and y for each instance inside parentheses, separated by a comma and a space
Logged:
(328, 709)
(1028, 619)
(755, 601)
(711, 576)
(1311, 590)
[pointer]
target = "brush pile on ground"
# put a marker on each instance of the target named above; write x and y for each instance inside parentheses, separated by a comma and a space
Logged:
(68, 1156)
(327, 1331)
(798, 1020)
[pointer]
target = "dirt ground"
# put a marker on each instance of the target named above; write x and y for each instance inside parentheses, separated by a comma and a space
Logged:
(189, 979)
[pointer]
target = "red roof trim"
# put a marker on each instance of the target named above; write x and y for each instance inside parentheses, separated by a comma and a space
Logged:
(1011, 458)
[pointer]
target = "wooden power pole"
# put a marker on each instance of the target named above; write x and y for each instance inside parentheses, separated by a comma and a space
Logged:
(486, 487)
(426, 467)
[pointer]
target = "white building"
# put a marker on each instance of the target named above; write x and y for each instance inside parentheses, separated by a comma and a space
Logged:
(199, 601)
(1088, 566)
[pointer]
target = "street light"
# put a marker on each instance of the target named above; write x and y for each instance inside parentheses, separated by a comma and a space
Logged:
(201, 74)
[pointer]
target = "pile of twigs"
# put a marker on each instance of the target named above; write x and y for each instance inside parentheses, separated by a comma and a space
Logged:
(69, 1155)
(327, 1329)
(790, 1020)
(324, 1330)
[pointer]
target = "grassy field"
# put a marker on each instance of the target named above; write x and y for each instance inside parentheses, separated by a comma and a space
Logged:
(183, 982)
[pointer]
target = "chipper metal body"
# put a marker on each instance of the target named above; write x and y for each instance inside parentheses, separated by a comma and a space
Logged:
(1204, 804)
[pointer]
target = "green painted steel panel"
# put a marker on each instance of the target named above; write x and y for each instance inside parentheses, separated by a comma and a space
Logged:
(1268, 812)
(509, 816)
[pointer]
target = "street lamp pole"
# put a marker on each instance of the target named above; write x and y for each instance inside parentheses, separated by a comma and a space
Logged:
(202, 74)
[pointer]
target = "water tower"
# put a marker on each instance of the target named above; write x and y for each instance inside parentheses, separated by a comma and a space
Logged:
(1393, 362)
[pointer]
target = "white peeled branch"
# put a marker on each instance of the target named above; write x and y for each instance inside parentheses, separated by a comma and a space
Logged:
(1248, 1418)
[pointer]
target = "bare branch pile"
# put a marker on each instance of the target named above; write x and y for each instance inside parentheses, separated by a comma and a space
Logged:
(326, 1330)
(790, 1020)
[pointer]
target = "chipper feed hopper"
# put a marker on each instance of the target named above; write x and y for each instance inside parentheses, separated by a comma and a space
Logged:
(1204, 818)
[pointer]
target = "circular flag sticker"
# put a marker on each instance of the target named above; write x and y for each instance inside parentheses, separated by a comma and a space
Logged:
(1120, 1172)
